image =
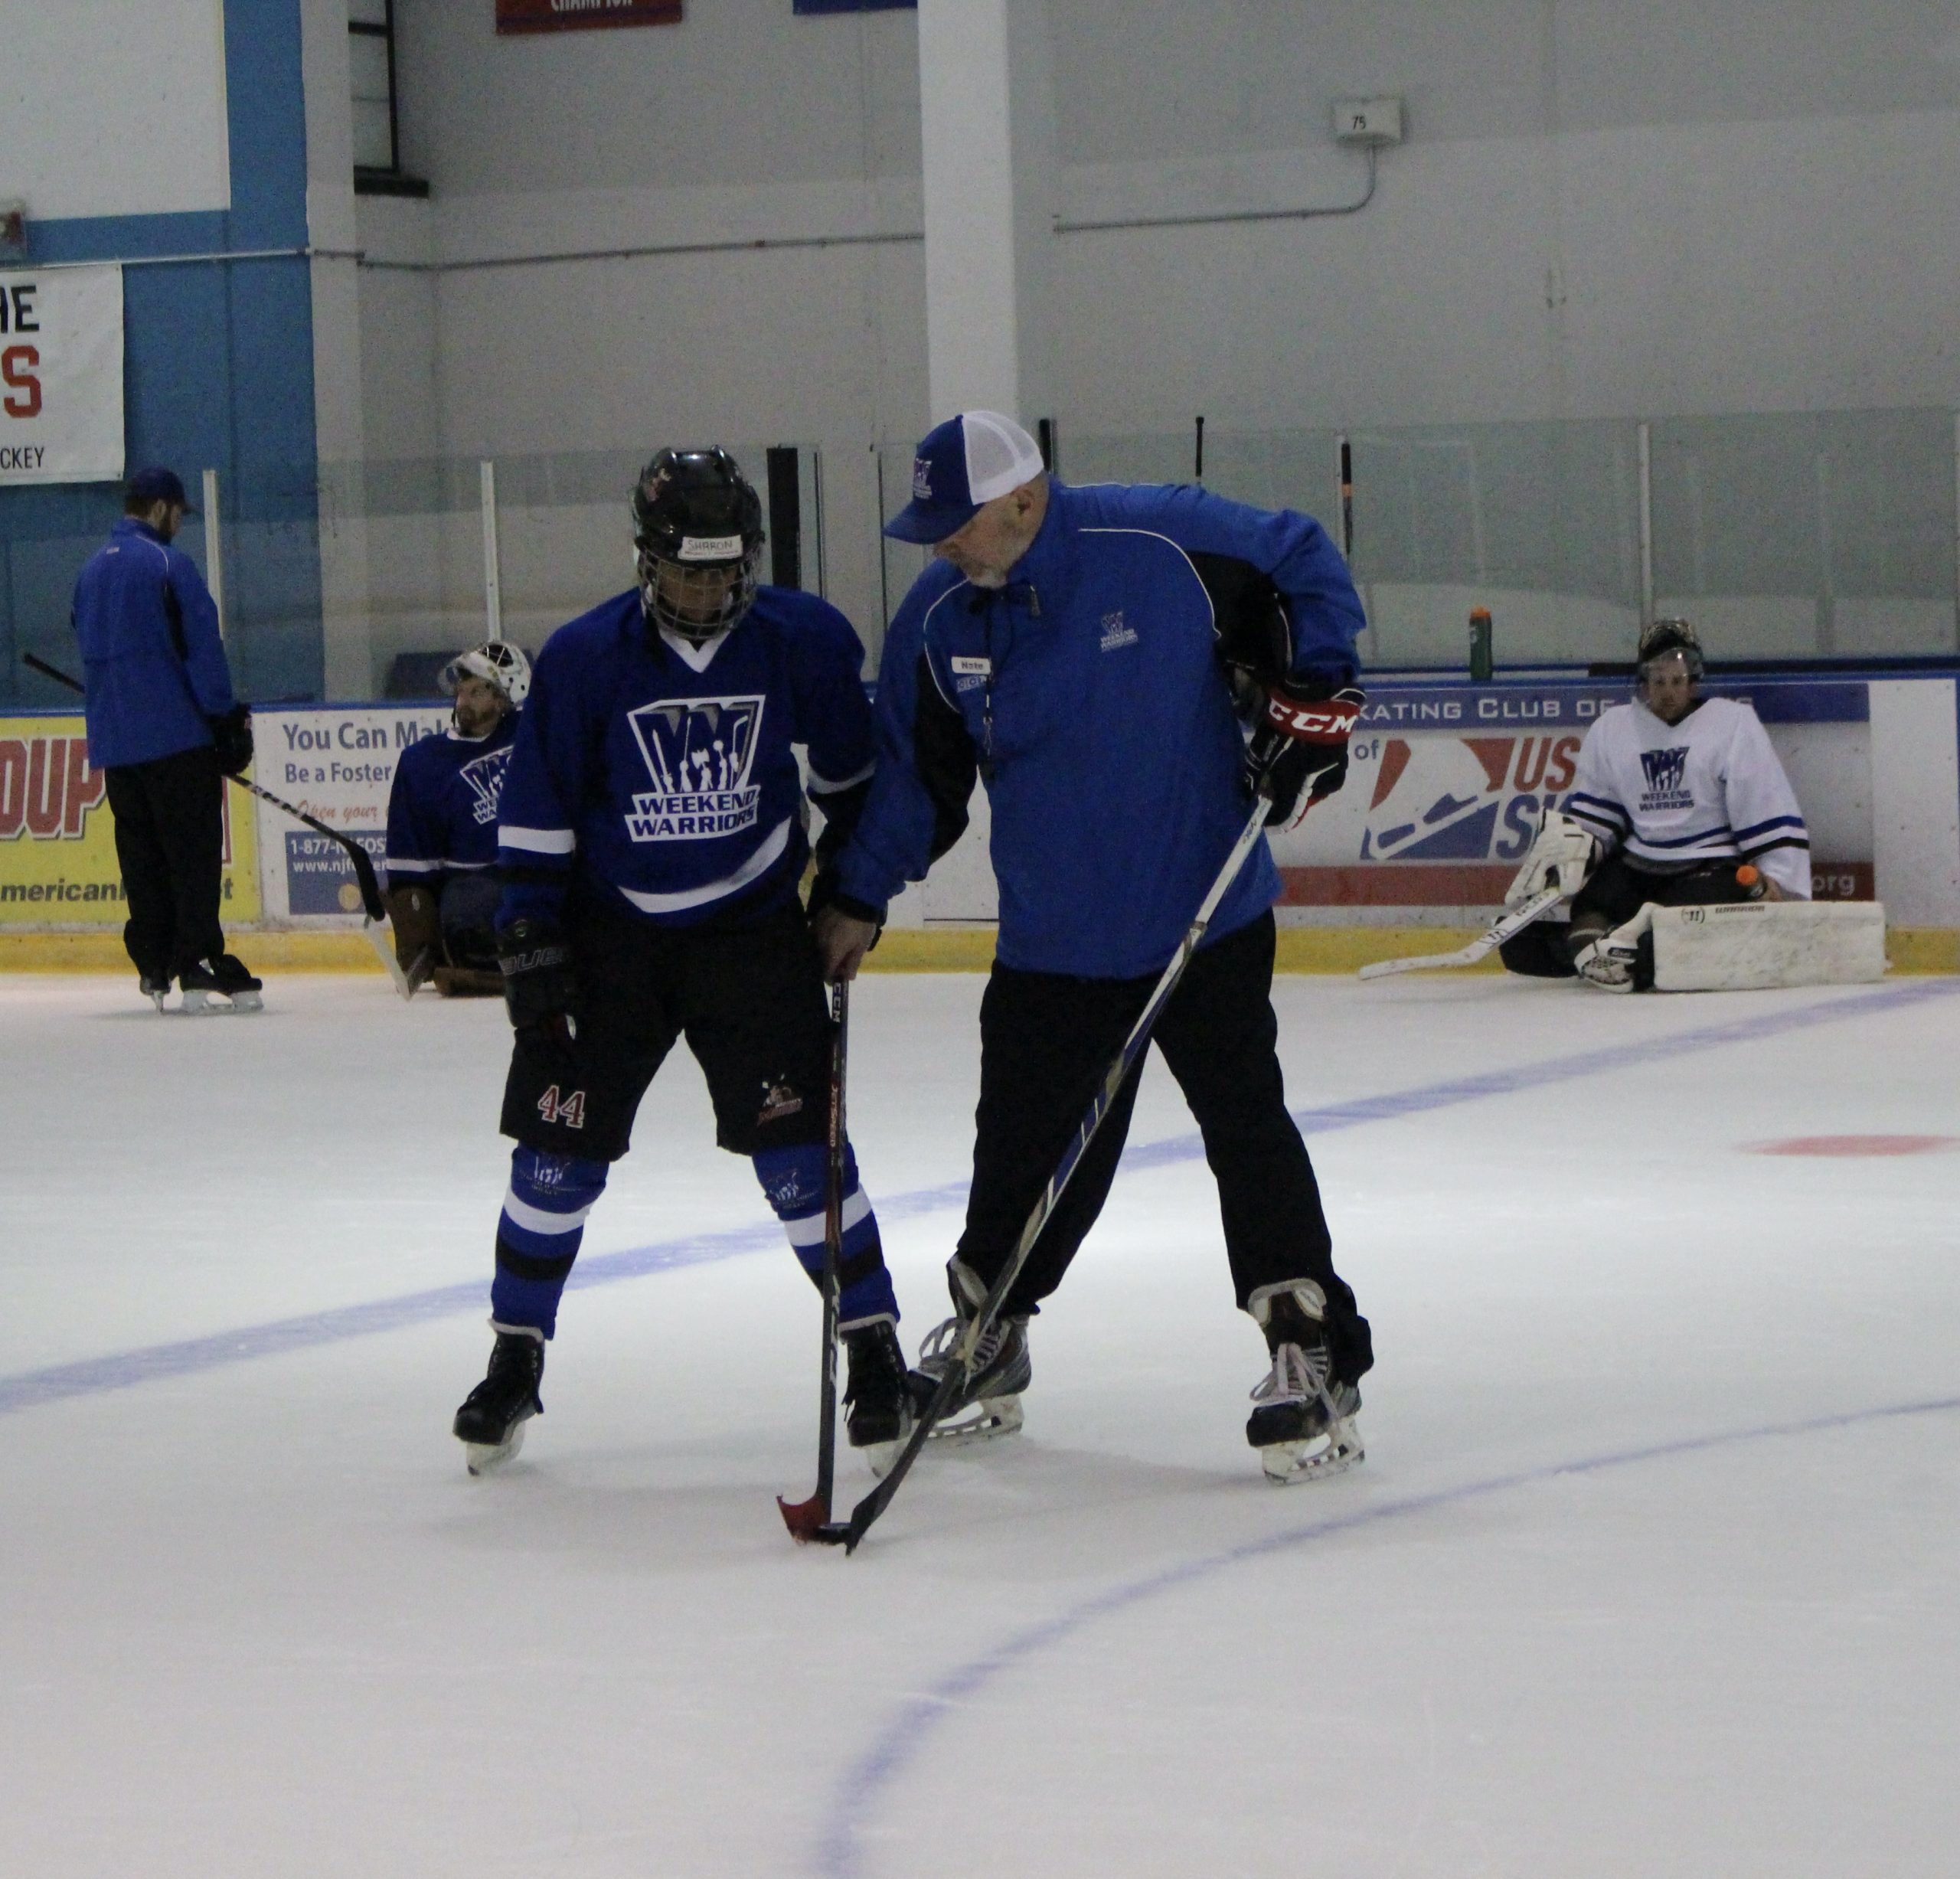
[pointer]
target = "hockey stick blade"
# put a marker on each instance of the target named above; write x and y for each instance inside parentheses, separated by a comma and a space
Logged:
(1477, 948)
(809, 1521)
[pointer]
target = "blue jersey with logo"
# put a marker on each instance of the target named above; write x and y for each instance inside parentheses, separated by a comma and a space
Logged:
(1088, 694)
(666, 776)
(442, 806)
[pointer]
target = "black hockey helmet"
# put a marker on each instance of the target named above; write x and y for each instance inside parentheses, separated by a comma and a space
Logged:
(1662, 636)
(698, 526)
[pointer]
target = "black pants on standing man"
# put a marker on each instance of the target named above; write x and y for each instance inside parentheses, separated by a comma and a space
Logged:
(169, 818)
(1046, 1040)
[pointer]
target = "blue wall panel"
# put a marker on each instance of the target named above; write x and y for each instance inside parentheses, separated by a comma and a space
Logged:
(218, 373)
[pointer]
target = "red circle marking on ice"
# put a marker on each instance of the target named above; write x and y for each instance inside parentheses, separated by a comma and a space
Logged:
(1853, 1145)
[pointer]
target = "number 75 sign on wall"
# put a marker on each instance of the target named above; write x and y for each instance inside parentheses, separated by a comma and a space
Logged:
(61, 375)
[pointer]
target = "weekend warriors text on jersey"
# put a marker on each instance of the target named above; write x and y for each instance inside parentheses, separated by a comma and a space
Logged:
(1676, 796)
(667, 773)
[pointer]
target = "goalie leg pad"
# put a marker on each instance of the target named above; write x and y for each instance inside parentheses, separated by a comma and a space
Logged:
(1760, 945)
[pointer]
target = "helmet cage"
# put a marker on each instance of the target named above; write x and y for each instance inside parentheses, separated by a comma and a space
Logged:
(1665, 636)
(699, 601)
(498, 663)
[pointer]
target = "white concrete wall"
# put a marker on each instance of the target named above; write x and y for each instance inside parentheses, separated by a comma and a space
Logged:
(1686, 206)
(110, 108)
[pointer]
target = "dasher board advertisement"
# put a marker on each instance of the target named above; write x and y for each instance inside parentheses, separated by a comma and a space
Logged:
(336, 762)
(61, 375)
(57, 839)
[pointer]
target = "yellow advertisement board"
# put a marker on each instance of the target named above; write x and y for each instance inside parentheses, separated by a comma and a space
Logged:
(57, 838)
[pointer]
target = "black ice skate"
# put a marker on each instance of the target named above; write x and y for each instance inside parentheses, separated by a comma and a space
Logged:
(880, 1403)
(989, 1402)
(224, 978)
(490, 1424)
(1304, 1426)
(155, 989)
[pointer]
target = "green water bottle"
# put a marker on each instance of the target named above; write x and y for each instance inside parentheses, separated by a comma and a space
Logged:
(1480, 645)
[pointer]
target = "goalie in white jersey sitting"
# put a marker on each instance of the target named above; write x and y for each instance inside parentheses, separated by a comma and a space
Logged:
(1679, 801)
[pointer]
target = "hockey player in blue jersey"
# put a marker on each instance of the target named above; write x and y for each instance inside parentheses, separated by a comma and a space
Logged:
(1082, 651)
(442, 885)
(651, 840)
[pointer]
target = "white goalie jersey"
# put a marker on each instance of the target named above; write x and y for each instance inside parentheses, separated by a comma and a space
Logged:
(1677, 796)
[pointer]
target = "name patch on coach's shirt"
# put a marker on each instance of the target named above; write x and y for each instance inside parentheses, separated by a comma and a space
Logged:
(698, 753)
(979, 668)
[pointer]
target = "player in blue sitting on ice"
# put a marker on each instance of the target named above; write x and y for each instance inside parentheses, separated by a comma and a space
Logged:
(442, 886)
(651, 840)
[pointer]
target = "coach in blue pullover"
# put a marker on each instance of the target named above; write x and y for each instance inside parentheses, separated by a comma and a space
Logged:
(1092, 654)
(164, 729)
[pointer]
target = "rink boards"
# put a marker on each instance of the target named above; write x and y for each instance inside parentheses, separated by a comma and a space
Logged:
(1446, 784)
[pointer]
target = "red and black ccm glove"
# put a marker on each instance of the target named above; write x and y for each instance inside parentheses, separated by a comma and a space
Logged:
(1300, 743)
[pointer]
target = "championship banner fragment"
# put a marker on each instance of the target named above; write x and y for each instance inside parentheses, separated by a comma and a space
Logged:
(560, 16)
(61, 375)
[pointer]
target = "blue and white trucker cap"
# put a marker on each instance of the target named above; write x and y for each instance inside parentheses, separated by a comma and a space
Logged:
(968, 460)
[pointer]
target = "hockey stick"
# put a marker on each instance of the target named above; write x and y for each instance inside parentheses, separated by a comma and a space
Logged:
(810, 1519)
(371, 902)
(960, 1365)
(1513, 922)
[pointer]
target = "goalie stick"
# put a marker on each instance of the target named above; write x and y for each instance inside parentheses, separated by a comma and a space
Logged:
(960, 1365)
(810, 1519)
(374, 907)
(1513, 922)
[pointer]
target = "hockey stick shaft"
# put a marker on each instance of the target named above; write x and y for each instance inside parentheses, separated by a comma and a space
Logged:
(960, 1365)
(1485, 943)
(810, 1519)
(363, 863)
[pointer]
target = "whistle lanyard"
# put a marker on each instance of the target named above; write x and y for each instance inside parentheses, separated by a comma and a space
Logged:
(987, 766)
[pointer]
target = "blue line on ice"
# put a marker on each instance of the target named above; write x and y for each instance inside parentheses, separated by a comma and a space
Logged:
(840, 1849)
(123, 1369)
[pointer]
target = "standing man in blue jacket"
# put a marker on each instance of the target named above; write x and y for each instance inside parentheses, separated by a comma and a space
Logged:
(651, 842)
(165, 731)
(1091, 653)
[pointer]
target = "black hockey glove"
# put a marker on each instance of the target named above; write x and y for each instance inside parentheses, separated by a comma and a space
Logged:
(540, 983)
(1299, 743)
(231, 737)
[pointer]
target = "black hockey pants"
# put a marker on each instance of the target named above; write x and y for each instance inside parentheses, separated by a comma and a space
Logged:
(1046, 1040)
(169, 817)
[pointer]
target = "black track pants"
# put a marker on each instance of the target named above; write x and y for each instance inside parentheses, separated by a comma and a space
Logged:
(169, 818)
(1045, 1042)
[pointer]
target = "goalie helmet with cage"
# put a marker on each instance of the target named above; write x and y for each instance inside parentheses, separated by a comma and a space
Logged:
(497, 661)
(698, 528)
(1659, 638)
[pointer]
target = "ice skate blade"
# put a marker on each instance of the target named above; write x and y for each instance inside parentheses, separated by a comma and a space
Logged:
(1288, 1463)
(991, 1417)
(204, 1005)
(485, 1458)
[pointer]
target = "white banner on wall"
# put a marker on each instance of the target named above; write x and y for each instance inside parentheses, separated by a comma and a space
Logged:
(61, 375)
(336, 762)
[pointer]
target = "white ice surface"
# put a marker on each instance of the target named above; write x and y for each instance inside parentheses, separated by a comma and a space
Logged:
(1576, 1616)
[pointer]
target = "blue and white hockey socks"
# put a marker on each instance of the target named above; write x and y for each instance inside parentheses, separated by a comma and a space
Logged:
(538, 1235)
(794, 1180)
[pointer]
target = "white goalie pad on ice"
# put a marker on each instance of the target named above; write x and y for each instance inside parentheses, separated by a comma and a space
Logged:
(1758, 945)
